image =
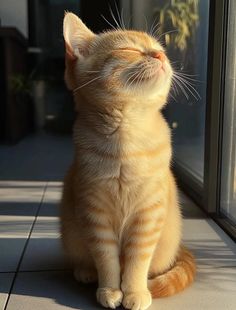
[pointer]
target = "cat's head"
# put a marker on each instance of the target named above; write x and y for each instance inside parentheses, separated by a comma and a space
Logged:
(120, 64)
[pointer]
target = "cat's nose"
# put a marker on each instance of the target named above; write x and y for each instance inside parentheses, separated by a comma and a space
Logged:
(158, 55)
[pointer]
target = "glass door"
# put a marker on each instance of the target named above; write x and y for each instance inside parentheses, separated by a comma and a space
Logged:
(228, 163)
(186, 39)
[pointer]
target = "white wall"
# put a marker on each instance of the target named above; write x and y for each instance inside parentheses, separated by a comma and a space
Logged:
(14, 13)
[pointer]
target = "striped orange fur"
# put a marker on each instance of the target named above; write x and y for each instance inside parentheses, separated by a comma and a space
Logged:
(177, 278)
(120, 219)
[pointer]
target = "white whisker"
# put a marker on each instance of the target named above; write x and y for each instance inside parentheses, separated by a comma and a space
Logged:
(137, 76)
(175, 89)
(141, 77)
(167, 32)
(184, 80)
(109, 22)
(189, 79)
(121, 20)
(131, 75)
(178, 83)
(188, 86)
(115, 20)
(91, 71)
(132, 78)
(186, 74)
(172, 97)
(154, 27)
(79, 87)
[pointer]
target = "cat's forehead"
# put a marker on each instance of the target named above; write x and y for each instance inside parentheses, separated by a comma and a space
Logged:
(119, 39)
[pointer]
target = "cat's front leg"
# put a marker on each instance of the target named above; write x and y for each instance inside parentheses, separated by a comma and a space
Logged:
(105, 250)
(142, 239)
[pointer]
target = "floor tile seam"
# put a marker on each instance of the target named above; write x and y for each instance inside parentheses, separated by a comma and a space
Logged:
(25, 246)
(45, 270)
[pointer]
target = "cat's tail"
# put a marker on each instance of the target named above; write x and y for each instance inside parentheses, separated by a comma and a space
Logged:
(176, 279)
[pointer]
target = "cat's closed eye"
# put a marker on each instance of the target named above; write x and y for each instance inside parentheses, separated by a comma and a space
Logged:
(130, 49)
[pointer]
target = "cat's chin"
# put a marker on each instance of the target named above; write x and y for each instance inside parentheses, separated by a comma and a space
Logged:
(156, 81)
(155, 77)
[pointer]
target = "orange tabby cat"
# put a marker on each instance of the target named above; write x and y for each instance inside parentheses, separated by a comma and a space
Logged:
(120, 219)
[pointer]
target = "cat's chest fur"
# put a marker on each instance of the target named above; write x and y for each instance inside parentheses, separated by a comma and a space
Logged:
(125, 155)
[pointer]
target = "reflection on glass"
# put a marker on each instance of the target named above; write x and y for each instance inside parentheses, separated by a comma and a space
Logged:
(184, 29)
(228, 168)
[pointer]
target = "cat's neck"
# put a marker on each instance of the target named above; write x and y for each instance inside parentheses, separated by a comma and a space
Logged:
(117, 117)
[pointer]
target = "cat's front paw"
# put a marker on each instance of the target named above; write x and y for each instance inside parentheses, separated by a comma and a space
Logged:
(137, 300)
(109, 297)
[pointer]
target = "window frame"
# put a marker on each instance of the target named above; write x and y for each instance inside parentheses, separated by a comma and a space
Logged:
(208, 195)
(214, 107)
(213, 195)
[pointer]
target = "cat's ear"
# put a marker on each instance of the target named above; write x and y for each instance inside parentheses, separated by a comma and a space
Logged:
(77, 36)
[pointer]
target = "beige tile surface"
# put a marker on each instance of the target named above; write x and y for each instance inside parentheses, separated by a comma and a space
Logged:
(44, 250)
(214, 288)
(19, 202)
(5, 284)
(51, 291)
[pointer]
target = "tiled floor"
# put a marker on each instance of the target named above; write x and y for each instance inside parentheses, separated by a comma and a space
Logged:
(32, 267)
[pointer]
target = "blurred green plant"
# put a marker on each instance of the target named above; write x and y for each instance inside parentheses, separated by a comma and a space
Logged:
(23, 83)
(182, 17)
(20, 84)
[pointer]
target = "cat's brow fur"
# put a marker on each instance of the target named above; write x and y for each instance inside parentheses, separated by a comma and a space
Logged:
(120, 218)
